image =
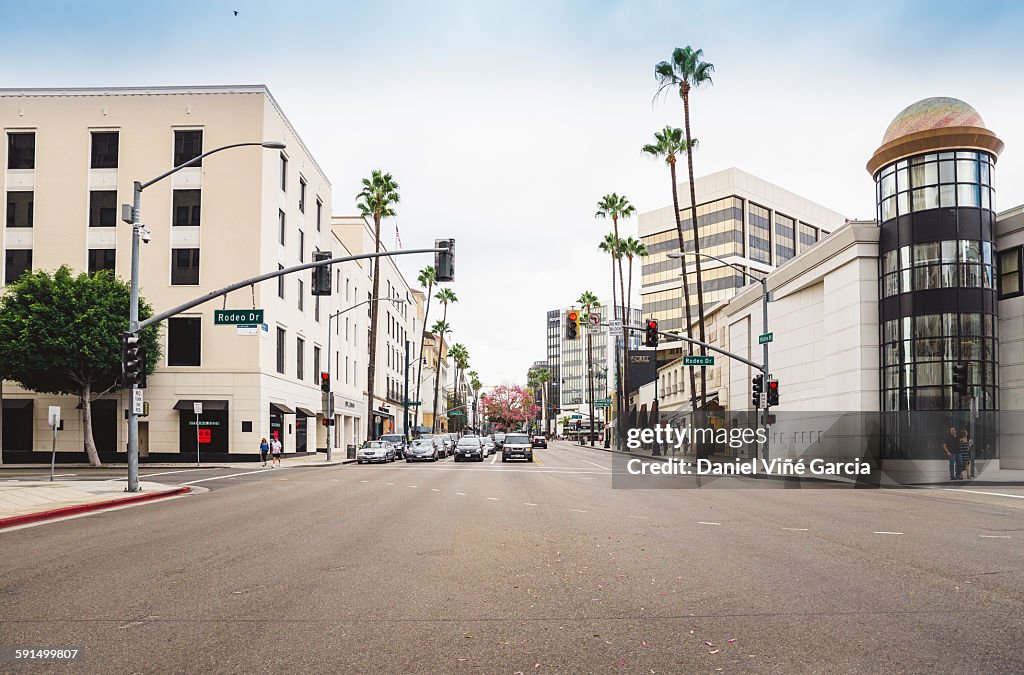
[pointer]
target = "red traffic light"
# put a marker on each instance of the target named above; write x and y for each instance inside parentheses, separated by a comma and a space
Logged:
(773, 385)
(573, 316)
(652, 324)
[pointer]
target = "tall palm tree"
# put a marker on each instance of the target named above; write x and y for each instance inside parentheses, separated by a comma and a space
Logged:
(376, 200)
(614, 206)
(543, 375)
(669, 143)
(687, 70)
(426, 280)
(445, 296)
(588, 301)
(610, 245)
(439, 329)
(460, 357)
(475, 384)
(632, 248)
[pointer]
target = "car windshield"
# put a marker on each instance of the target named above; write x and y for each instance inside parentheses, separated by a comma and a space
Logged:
(392, 439)
(470, 442)
(512, 439)
(373, 444)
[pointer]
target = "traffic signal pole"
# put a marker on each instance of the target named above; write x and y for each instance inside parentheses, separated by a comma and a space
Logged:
(133, 328)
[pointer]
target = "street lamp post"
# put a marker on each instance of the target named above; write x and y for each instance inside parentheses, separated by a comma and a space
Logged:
(765, 298)
(133, 309)
(329, 398)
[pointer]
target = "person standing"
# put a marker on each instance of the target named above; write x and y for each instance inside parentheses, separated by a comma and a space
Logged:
(951, 446)
(965, 454)
(275, 453)
(264, 450)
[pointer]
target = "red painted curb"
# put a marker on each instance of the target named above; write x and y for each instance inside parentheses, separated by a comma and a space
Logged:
(86, 508)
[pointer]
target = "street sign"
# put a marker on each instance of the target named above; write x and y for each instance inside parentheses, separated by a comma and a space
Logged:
(594, 320)
(698, 360)
(53, 416)
(765, 338)
(614, 326)
(248, 329)
(233, 317)
(603, 403)
(456, 413)
(197, 407)
(414, 403)
(137, 402)
(764, 400)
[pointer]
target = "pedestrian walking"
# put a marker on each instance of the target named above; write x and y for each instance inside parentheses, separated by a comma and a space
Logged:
(264, 449)
(275, 453)
(965, 455)
(951, 446)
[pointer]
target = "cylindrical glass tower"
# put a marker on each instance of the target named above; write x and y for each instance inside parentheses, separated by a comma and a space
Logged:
(937, 291)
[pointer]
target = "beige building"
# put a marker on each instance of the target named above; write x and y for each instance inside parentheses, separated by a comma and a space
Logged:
(70, 159)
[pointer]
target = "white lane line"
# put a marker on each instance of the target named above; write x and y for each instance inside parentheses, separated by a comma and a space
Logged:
(246, 473)
(493, 499)
(606, 468)
(434, 490)
(979, 492)
(577, 511)
(364, 481)
(883, 532)
(389, 483)
(335, 480)
(461, 493)
(701, 522)
(796, 529)
(995, 536)
(163, 473)
(639, 517)
(528, 504)
(588, 478)
(494, 459)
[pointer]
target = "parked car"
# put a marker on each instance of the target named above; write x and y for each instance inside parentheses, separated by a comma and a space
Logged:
(399, 441)
(489, 446)
(422, 449)
(539, 441)
(376, 451)
(469, 447)
(499, 438)
(517, 446)
(447, 445)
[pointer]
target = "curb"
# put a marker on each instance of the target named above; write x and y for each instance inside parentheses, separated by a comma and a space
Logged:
(65, 511)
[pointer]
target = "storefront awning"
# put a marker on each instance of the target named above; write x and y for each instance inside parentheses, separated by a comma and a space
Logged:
(281, 408)
(305, 411)
(211, 406)
(17, 403)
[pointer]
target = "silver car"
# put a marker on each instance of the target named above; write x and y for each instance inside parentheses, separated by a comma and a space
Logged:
(422, 450)
(376, 451)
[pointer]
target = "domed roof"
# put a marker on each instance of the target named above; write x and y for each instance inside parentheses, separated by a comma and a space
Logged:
(932, 113)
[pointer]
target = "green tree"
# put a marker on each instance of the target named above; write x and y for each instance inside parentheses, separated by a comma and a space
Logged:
(588, 301)
(687, 70)
(61, 334)
(439, 329)
(538, 379)
(376, 200)
(614, 206)
(460, 358)
(426, 279)
(669, 143)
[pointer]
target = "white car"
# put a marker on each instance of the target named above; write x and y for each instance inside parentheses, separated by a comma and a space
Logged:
(376, 451)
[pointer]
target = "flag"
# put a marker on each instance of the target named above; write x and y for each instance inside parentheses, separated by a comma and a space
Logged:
(398, 238)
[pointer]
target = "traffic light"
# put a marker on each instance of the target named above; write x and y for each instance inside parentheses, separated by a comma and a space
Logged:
(444, 261)
(321, 275)
(325, 381)
(133, 364)
(572, 325)
(756, 387)
(773, 392)
(651, 333)
(960, 379)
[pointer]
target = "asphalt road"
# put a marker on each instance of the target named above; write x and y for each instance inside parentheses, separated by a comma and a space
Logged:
(505, 568)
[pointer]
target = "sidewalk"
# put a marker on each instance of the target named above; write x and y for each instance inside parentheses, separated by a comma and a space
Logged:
(23, 502)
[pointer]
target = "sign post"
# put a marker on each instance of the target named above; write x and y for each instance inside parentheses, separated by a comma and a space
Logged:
(197, 408)
(53, 417)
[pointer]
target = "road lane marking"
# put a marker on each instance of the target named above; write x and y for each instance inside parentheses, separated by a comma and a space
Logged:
(461, 493)
(364, 481)
(246, 473)
(528, 504)
(589, 478)
(412, 486)
(796, 529)
(163, 473)
(883, 532)
(493, 499)
(494, 459)
(979, 492)
(594, 464)
(389, 483)
(577, 511)
(701, 522)
(639, 517)
(335, 480)
(995, 536)
(537, 460)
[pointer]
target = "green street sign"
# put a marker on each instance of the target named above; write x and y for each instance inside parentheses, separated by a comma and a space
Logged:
(767, 337)
(455, 413)
(414, 403)
(234, 317)
(603, 402)
(698, 360)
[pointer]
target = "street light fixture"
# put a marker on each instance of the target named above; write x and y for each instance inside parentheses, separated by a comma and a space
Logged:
(139, 232)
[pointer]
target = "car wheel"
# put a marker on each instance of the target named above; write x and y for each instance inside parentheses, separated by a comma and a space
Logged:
(530, 458)
(408, 461)
(504, 459)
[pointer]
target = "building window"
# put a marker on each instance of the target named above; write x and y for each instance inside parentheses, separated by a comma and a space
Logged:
(284, 173)
(808, 236)
(20, 207)
(785, 238)
(302, 194)
(186, 207)
(302, 246)
(280, 227)
(319, 213)
(185, 267)
(102, 208)
(184, 340)
(280, 283)
(188, 145)
(104, 150)
(346, 370)
(18, 261)
(316, 364)
(302, 295)
(101, 259)
(300, 349)
(281, 337)
(21, 150)
(760, 234)
(1009, 273)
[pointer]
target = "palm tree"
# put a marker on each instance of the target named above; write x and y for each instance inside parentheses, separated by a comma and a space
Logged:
(613, 206)
(588, 301)
(475, 384)
(632, 248)
(439, 329)
(669, 143)
(376, 200)
(445, 296)
(543, 375)
(460, 357)
(426, 280)
(687, 70)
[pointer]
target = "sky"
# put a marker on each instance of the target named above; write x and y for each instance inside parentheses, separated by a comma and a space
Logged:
(505, 122)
